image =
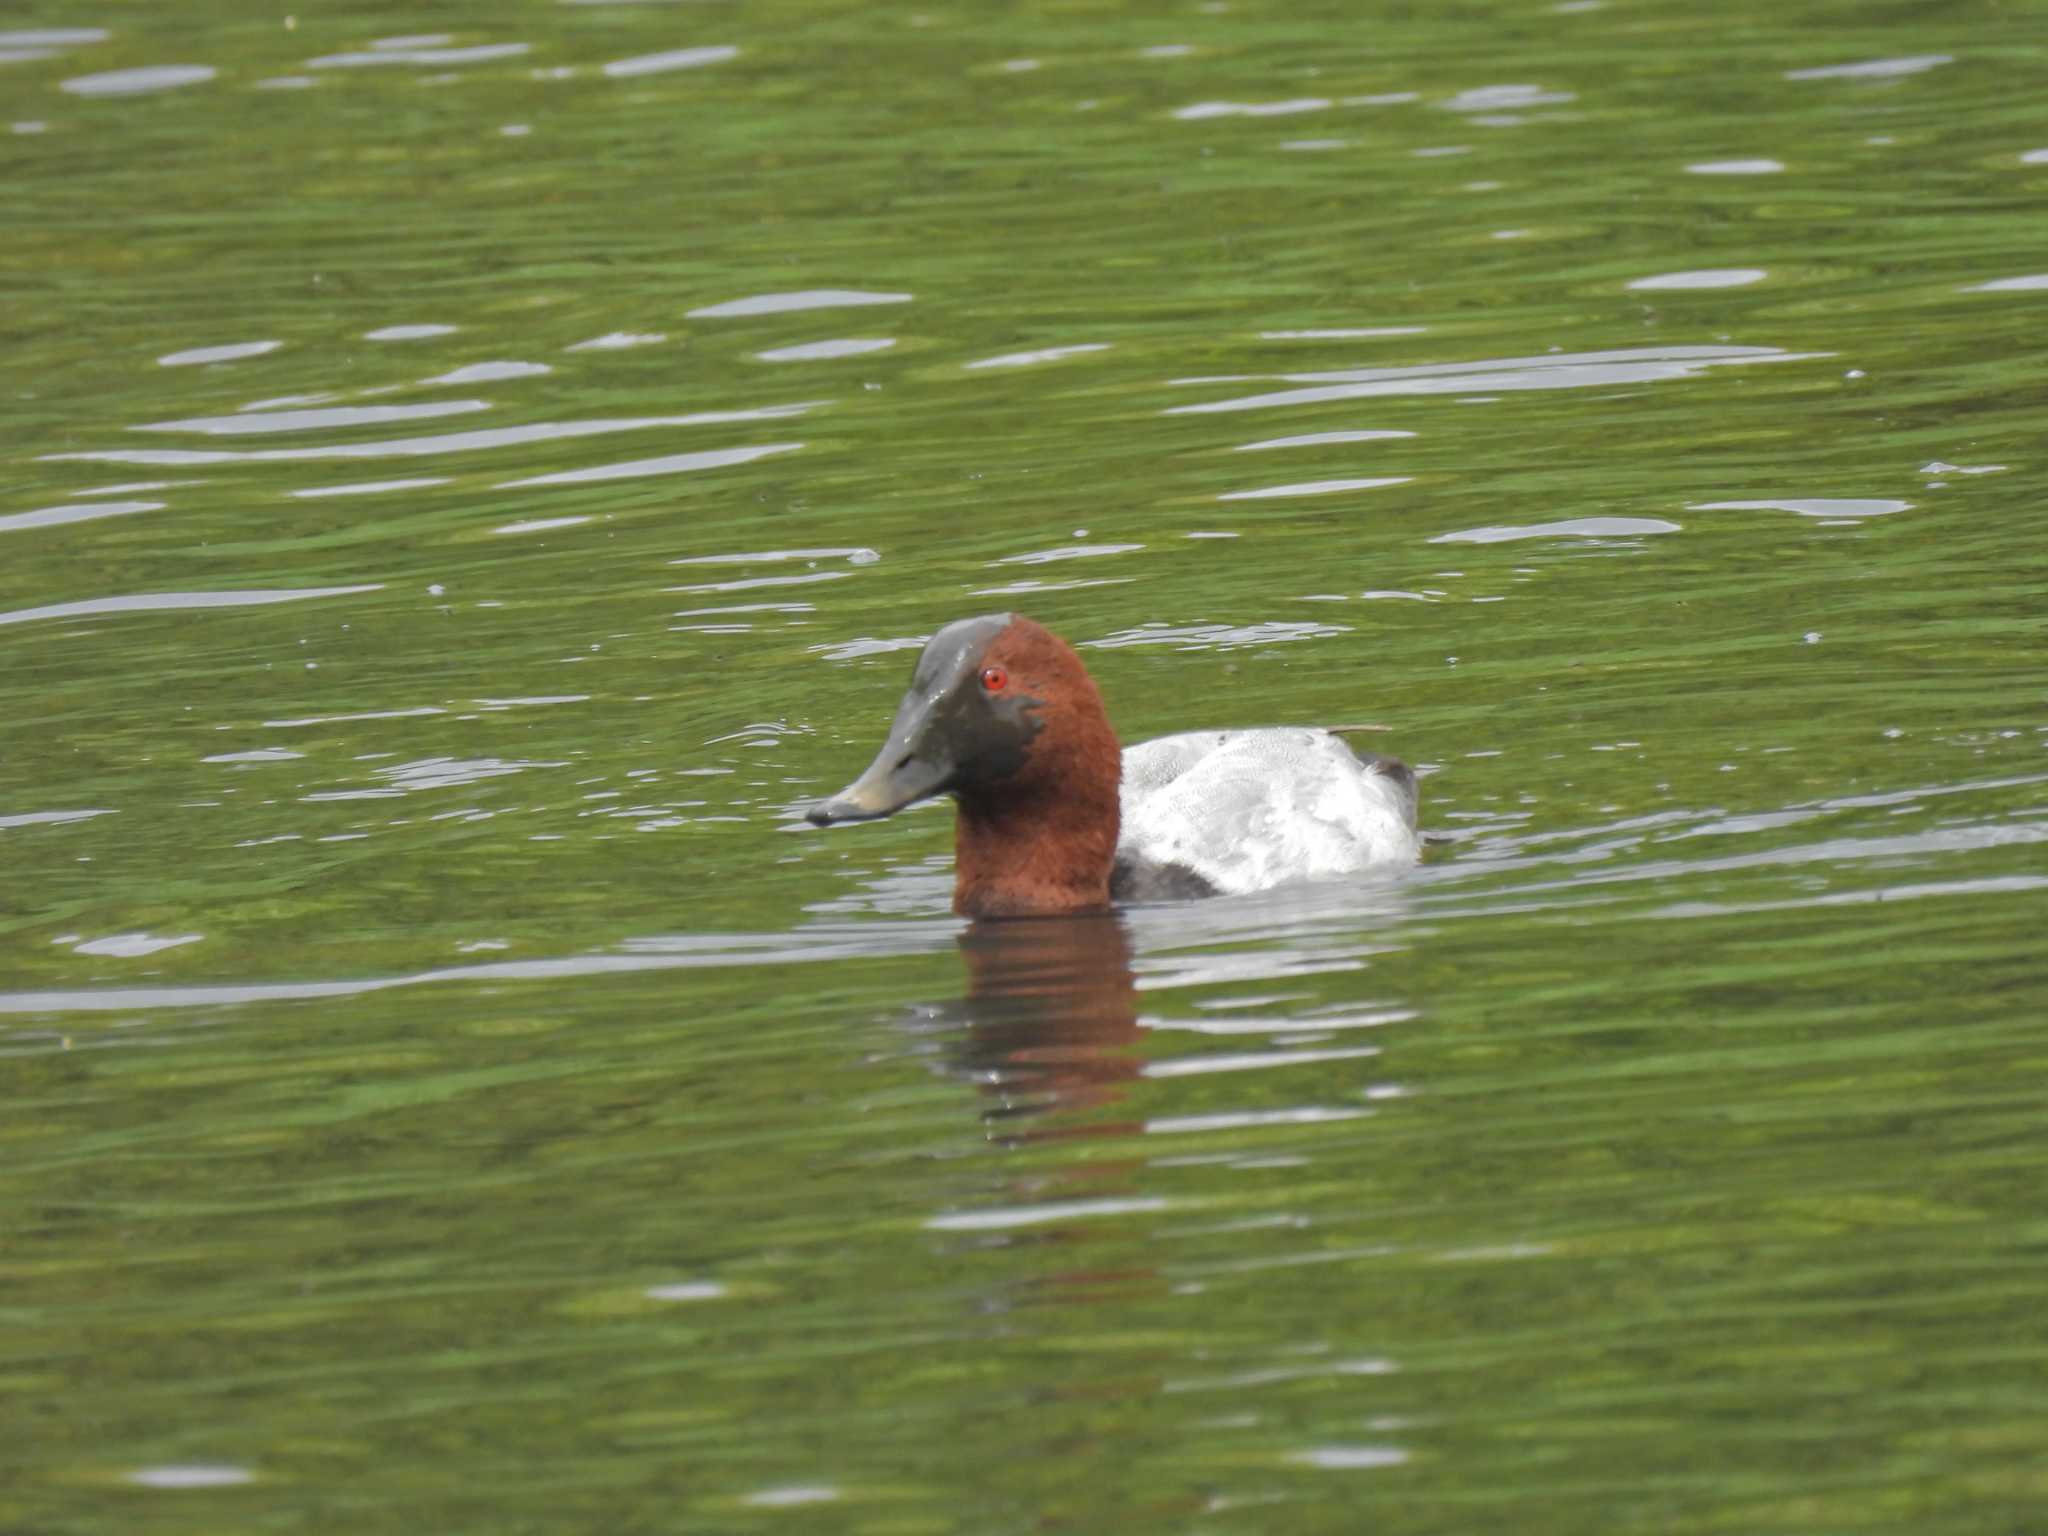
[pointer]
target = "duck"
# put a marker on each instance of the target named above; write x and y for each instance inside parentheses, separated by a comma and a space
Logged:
(1052, 817)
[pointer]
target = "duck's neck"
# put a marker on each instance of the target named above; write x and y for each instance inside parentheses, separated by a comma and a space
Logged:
(1043, 847)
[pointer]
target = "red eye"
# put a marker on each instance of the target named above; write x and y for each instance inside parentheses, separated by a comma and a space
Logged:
(994, 679)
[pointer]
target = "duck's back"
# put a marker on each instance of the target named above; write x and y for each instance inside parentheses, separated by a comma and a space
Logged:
(1234, 811)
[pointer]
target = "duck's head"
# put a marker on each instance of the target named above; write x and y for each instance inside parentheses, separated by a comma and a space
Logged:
(983, 693)
(1002, 716)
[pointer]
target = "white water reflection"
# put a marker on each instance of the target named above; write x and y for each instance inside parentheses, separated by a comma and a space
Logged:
(789, 303)
(50, 517)
(1321, 439)
(1555, 370)
(1573, 527)
(816, 351)
(438, 57)
(1345, 333)
(617, 341)
(408, 332)
(687, 1290)
(1505, 98)
(1812, 506)
(416, 712)
(851, 554)
(165, 602)
(823, 942)
(452, 772)
(1005, 1219)
(50, 818)
(672, 464)
(2030, 284)
(232, 352)
(414, 447)
(134, 946)
(1202, 111)
(1031, 587)
(1038, 355)
(1215, 637)
(1350, 1458)
(1314, 488)
(489, 373)
(1757, 167)
(757, 583)
(864, 645)
(1066, 552)
(1874, 69)
(370, 487)
(1709, 277)
(53, 37)
(541, 524)
(1251, 1119)
(245, 423)
(1254, 1061)
(191, 1476)
(139, 82)
(662, 63)
(792, 1496)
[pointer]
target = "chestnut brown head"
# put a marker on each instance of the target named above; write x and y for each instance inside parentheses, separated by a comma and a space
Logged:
(1002, 716)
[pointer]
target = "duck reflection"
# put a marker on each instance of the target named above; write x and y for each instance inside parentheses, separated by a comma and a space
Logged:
(1052, 1023)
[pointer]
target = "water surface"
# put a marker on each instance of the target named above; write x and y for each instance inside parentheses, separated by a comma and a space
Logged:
(466, 490)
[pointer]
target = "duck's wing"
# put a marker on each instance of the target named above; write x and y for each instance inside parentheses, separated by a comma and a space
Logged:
(1244, 810)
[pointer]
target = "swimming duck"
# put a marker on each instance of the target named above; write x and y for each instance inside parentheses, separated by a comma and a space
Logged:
(1002, 716)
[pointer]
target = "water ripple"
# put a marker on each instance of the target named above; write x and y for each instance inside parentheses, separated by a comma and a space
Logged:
(617, 341)
(166, 602)
(191, 1476)
(661, 63)
(1572, 527)
(1707, 277)
(244, 423)
(232, 352)
(789, 303)
(1556, 370)
(53, 37)
(139, 82)
(1812, 506)
(49, 818)
(1202, 111)
(489, 373)
(50, 517)
(424, 332)
(1067, 552)
(1314, 488)
(817, 351)
(1320, 439)
(1215, 637)
(1039, 355)
(454, 442)
(377, 54)
(1758, 167)
(1874, 69)
(370, 487)
(851, 554)
(672, 464)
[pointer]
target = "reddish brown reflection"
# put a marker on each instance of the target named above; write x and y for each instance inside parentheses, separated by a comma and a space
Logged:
(1052, 1019)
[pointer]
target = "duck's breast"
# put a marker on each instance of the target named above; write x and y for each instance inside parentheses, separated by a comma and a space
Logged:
(1245, 810)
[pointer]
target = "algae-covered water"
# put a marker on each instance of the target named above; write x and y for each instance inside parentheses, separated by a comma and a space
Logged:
(472, 473)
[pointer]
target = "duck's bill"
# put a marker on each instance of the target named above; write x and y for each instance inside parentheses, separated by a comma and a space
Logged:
(898, 776)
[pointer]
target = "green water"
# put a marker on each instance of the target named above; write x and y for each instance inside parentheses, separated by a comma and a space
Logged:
(447, 1088)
